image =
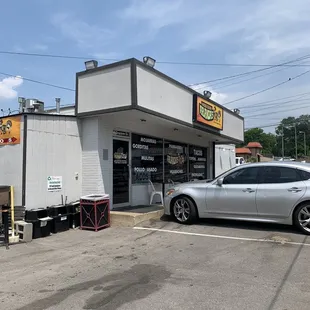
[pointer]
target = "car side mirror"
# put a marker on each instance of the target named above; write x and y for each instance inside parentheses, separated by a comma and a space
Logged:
(219, 181)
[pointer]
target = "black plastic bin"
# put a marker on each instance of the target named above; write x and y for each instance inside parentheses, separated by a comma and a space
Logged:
(74, 215)
(60, 218)
(41, 222)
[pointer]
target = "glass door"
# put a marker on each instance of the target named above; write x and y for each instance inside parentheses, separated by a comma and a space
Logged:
(120, 172)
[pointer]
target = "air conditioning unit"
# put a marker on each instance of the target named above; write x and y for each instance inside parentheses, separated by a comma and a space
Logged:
(31, 106)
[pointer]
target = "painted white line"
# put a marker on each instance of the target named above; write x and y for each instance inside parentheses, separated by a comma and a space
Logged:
(220, 237)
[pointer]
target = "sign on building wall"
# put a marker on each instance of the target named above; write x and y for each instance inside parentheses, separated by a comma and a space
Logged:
(10, 130)
(54, 183)
(207, 113)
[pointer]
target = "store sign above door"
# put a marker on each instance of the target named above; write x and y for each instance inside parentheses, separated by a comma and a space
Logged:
(118, 133)
(207, 113)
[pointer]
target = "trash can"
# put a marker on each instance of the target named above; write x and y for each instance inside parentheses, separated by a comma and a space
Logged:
(73, 211)
(42, 223)
(95, 212)
(60, 218)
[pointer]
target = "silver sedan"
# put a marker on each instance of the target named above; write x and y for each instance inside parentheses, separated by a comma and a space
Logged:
(275, 192)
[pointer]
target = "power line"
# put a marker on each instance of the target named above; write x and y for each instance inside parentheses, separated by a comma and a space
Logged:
(253, 71)
(280, 111)
(269, 88)
(54, 56)
(262, 102)
(238, 82)
(272, 105)
(39, 82)
(261, 127)
(161, 62)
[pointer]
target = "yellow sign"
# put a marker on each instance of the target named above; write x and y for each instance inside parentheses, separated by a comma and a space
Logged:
(207, 113)
(10, 130)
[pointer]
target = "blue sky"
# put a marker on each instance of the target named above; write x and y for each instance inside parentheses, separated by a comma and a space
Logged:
(203, 31)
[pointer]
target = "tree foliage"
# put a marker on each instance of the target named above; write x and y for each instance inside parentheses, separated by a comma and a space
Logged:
(272, 143)
(267, 140)
(287, 128)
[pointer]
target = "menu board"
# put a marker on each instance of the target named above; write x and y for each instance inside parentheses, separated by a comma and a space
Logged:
(147, 159)
(175, 162)
(197, 162)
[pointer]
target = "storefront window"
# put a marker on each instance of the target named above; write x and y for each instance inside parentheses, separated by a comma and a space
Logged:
(175, 162)
(197, 162)
(147, 159)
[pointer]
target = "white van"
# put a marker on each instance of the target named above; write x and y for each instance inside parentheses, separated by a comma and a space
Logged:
(240, 161)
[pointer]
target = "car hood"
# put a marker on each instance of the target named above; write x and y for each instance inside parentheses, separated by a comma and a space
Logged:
(197, 183)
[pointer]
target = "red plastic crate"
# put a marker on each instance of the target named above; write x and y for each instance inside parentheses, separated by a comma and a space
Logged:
(95, 212)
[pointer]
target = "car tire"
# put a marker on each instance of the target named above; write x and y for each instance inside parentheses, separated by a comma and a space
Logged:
(301, 218)
(184, 210)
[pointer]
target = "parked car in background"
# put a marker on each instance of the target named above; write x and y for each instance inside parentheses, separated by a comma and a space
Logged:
(240, 161)
(274, 192)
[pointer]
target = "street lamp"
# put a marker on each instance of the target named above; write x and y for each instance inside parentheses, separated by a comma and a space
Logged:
(305, 142)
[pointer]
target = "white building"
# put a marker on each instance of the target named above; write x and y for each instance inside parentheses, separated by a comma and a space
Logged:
(131, 124)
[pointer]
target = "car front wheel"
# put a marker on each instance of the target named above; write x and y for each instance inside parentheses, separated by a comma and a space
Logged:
(184, 210)
(302, 218)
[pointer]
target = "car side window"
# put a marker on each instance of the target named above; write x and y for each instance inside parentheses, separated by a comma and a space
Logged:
(243, 176)
(274, 174)
(304, 175)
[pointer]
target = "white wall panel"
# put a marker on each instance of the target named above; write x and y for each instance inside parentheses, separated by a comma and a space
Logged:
(232, 126)
(163, 96)
(104, 89)
(53, 149)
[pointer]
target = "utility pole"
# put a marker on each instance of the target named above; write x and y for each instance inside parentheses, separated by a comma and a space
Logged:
(295, 141)
(282, 142)
(305, 143)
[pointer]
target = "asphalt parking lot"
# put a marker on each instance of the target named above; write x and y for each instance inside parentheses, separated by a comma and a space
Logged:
(160, 265)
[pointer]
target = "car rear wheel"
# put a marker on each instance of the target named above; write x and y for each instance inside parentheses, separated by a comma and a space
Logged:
(184, 210)
(302, 218)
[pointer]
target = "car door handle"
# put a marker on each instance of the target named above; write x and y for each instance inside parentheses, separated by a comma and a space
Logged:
(248, 190)
(294, 190)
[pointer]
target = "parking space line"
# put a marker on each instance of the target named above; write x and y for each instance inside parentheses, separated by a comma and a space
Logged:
(220, 236)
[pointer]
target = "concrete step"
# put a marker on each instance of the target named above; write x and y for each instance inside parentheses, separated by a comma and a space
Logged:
(132, 218)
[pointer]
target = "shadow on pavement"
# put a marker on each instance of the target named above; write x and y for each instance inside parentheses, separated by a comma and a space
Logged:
(235, 224)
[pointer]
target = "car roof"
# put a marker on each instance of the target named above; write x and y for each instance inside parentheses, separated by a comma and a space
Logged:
(292, 164)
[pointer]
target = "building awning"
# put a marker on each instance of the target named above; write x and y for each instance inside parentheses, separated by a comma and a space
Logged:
(141, 122)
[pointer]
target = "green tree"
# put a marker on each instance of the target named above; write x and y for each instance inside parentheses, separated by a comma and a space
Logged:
(267, 140)
(287, 129)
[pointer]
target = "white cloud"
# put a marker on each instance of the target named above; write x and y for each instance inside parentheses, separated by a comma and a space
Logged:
(8, 87)
(247, 30)
(84, 34)
(261, 31)
(157, 14)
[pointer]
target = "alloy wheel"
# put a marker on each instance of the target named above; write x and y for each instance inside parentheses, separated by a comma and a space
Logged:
(181, 210)
(304, 218)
